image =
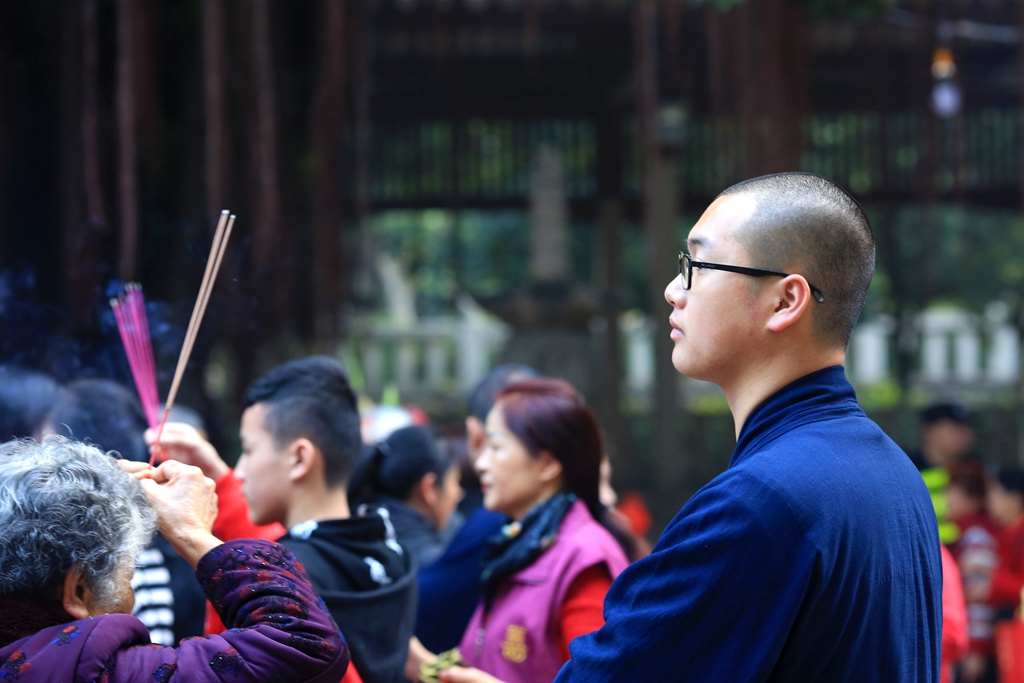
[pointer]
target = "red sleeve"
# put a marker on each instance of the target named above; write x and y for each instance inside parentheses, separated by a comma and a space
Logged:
(1008, 577)
(1006, 587)
(351, 676)
(583, 609)
(233, 514)
(233, 522)
(954, 611)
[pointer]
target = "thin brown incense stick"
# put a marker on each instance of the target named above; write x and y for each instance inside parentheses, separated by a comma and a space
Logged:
(216, 269)
(209, 276)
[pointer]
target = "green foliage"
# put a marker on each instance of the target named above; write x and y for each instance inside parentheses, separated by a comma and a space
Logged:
(883, 396)
(957, 254)
(484, 253)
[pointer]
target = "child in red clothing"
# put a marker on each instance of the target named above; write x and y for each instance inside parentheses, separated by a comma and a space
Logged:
(977, 554)
(1006, 504)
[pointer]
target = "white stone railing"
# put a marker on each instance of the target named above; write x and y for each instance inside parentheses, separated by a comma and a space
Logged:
(434, 355)
(954, 347)
(447, 355)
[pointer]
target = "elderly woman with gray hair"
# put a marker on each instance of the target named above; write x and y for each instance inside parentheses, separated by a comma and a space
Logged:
(72, 522)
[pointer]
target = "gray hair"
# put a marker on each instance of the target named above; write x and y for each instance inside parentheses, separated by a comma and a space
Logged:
(63, 505)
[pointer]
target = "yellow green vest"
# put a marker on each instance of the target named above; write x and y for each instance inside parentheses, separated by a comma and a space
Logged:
(937, 480)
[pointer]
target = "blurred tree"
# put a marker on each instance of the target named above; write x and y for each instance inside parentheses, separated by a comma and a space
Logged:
(127, 175)
(214, 74)
(327, 125)
(757, 54)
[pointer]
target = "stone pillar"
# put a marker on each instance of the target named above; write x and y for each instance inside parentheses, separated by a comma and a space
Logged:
(549, 219)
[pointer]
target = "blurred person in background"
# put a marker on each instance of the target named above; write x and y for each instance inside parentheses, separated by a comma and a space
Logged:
(72, 523)
(301, 438)
(406, 474)
(449, 589)
(479, 403)
(26, 398)
(545, 576)
(168, 600)
(1006, 505)
(946, 438)
(630, 512)
(977, 554)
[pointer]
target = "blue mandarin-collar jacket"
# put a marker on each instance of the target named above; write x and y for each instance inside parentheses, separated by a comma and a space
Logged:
(814, 558)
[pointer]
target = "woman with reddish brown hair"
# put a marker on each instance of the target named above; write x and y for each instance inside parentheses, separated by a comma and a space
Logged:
(546, 574)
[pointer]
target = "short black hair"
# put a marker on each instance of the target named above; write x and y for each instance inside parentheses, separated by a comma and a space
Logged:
(1011, 478)
(102, 413)
(954, 412)
(26, 398)
(312, 398)
(807, 222)
(481, 397)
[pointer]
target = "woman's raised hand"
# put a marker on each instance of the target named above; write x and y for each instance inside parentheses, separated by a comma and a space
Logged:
(185, 502)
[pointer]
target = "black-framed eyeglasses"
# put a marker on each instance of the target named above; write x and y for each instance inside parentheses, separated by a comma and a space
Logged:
(687, 264)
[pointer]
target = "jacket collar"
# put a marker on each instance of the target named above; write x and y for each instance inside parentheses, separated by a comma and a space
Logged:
(576, 517)
(822, 395)
(24, 616)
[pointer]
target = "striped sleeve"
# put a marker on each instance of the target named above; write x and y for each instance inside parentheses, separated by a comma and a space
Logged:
(154, 601)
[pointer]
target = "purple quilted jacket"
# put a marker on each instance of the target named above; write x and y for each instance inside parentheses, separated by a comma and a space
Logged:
(281, 632)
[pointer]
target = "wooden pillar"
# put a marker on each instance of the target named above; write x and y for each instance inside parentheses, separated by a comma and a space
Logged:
(327, 126)
(659, 216)
(362, 88)
(362, 112)
(214, 69)
(609, 270)
(5, 135)
(265, 142)
(1020, 296)
(127, 177)
(83, 215)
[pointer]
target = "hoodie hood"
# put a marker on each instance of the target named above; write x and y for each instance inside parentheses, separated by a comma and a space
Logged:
(367, 581)
(419, 537)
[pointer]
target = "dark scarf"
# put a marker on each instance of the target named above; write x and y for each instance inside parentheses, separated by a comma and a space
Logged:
(519, 544)
(24, 617)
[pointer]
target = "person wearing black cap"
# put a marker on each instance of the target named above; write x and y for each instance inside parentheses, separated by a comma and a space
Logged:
(946, 436)
(946, 439)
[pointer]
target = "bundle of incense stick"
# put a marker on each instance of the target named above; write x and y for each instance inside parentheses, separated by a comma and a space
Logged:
(220, 240)
(130, 313)
(132, 323)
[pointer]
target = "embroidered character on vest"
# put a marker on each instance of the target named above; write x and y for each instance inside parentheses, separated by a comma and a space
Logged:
(514, 648)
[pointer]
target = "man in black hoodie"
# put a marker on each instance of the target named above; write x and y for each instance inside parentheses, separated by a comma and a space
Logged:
(300, 439)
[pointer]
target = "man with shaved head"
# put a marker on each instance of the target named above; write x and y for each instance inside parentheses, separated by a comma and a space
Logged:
(815, 556)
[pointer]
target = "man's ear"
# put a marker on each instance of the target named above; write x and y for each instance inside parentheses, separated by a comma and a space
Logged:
(76, 597)
(550, 466)
(428, 489)
(304, 457)
(791, 297)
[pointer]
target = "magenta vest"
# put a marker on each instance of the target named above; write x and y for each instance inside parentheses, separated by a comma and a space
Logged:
(519, 641)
